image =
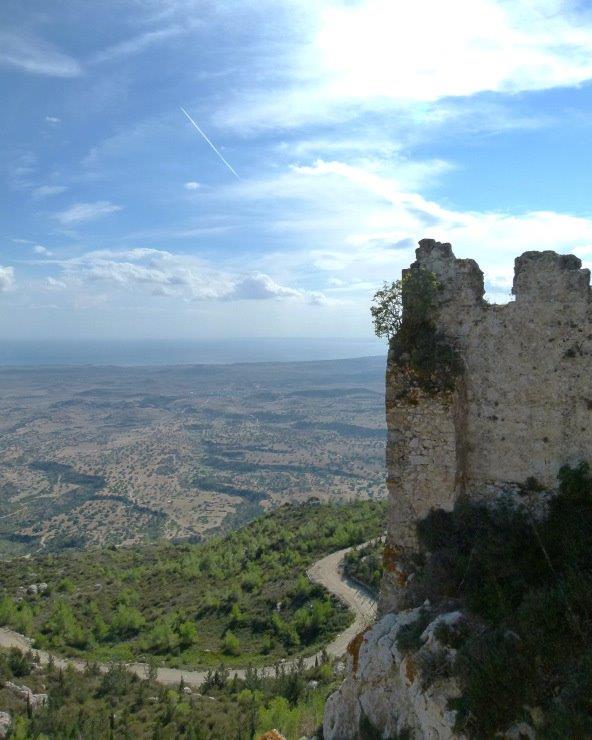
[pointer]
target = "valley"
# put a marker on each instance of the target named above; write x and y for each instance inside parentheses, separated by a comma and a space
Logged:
(98, 456)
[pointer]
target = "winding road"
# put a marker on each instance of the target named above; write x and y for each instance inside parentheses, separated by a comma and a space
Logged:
(327, 572)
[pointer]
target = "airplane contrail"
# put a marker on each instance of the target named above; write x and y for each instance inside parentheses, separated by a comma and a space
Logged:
(210, 143)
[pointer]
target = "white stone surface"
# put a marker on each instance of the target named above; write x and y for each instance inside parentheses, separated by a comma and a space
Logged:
(386, 689)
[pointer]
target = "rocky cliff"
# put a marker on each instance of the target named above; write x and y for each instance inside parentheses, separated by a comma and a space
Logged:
(512, 406)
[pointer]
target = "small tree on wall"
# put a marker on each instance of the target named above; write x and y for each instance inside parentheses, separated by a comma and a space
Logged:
(387, 310)
(416, 292)
(404, 313)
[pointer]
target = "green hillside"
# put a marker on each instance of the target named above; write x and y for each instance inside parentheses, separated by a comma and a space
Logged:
(119, 706)
(243, 598)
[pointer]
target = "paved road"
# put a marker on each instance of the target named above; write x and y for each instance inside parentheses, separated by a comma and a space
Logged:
(328, 572)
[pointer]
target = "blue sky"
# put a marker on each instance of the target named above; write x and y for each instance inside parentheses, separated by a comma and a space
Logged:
(355, 127)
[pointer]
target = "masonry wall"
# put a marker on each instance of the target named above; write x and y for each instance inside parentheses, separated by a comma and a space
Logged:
(521, 408)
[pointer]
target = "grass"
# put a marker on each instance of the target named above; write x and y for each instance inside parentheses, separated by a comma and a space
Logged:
(243, 598)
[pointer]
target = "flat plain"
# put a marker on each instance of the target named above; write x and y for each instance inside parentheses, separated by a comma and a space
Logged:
(93, 456)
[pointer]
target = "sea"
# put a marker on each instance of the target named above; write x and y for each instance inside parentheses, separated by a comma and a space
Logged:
(184, 352)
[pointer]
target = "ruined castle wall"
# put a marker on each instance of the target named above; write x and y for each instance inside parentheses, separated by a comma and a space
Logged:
(421, 460)
(522, 406)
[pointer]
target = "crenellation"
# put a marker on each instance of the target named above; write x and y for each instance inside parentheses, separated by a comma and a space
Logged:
(547, 277)
(461, 280)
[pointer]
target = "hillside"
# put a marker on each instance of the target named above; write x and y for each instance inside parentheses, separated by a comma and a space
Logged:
(120, 706)
(242, 598)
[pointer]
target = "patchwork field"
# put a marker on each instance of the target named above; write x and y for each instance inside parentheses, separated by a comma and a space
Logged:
(95, 456)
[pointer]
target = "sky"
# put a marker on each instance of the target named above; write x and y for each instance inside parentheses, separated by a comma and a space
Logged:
(339, 133)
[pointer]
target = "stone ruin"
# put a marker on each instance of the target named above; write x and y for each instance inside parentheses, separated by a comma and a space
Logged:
(520, 408)
(517, 409)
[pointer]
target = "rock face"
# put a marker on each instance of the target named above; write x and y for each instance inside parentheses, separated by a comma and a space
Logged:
(385, 690)
(518, 408)
(24, 692)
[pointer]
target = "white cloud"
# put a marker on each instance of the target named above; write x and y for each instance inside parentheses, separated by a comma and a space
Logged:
(192, 185)
(36, 56)
(40, 249)
(376, 54)
(258, 286)
(53, 120)
(348, 227)
(162, 273)
(6, 279)
(51, 283)
(45, 191)
(86, 212)
(20, 174)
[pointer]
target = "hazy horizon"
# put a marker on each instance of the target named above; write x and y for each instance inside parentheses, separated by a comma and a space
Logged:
(166, 352)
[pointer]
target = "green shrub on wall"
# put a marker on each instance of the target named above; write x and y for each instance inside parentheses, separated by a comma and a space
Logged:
(404, 313)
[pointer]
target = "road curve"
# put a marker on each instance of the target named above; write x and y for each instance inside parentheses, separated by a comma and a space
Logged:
(328, 572)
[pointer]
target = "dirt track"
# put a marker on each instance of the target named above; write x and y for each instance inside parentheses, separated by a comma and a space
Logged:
(327, 572)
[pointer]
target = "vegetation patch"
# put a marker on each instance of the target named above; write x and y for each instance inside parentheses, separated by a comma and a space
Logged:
(527, 587)
(409, 635)
(239, 598)
(365, 565)
(117, 704)
(404, 312)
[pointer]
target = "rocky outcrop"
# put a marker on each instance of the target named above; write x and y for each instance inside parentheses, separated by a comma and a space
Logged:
(35, 701)
(390, 690)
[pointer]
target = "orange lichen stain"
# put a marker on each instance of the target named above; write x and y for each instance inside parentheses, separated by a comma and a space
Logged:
(390, 558)
(354, 647)
(390, 555)
(272, 735)
(410, 669)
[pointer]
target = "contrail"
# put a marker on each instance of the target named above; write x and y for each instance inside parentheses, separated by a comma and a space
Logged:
(210, 143)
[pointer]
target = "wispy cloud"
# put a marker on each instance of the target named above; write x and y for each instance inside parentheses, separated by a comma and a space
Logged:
(378, 55)
(137, 43)
(360, 224)
(36, 56)
(20, 174)
(41, 250)
(45, 191)
(79, 212)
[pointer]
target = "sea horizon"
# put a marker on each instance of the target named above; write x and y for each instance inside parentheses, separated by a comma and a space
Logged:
(139, 352)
